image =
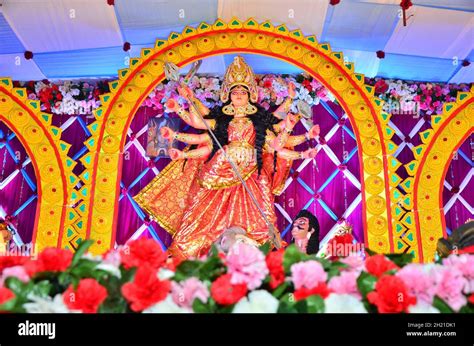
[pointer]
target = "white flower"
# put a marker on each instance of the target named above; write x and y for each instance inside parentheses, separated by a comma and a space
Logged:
(343, 303)
(46, 305)
(165, 274)
(259, 301)
(110, 268)
(422, 308)
(166, 306)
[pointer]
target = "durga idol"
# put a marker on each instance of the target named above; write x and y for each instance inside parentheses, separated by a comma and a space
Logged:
(200, 194)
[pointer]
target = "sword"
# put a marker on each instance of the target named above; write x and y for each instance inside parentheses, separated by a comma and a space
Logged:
(172, 73)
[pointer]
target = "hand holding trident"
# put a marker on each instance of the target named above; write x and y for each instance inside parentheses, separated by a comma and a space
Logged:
(172, 73)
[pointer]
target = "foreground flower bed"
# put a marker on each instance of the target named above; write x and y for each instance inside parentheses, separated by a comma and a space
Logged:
(139, 277)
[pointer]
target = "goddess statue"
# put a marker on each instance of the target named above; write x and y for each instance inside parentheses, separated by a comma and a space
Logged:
(200, 194)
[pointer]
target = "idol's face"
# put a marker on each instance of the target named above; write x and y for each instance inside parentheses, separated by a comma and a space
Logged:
(300, 228)
(239, 96)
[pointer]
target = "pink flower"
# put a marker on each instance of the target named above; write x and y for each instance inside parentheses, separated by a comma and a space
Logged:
(112, 257)
(449, 286)
(186, 292)
(308, 274)
(18, 272)
(465, 264)
(345, 283)
(246, 264)
(355, 262)
(419, 282)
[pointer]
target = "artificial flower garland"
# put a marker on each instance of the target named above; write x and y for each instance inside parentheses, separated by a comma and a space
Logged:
(82, 97)
(140, 277)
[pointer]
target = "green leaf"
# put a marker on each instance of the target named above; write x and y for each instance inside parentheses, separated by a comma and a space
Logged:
(16, 285)
(442, 306)
(315, 304)
(187, 269)
(400, 260)
(83, 268)
(293, 255)
(265, 248)
(277, 293)
(366, 283)
(200, 307)
(370, 252)
(81, 250)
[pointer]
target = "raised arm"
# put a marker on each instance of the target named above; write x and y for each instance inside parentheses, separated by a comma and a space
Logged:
(201, 152)
(284, 108)
(188, 138)
(190, 118)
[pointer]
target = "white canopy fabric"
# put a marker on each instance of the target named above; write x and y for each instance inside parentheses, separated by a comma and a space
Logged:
(84, 38)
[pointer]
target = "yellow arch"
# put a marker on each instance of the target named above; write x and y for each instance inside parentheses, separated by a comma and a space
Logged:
(119, 106)
(48, 154)
(439, 144)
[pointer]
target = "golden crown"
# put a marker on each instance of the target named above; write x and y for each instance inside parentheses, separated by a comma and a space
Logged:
(239, 73)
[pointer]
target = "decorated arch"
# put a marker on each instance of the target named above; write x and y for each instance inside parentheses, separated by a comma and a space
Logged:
(450, 129)
(55, 212)
(113, 118)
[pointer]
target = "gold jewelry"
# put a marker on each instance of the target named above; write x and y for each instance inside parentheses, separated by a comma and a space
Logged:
(183, 114)
(230, 109)
(239, 73)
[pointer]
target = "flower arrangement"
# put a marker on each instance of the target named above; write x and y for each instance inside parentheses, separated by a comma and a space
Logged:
(83, 97)
(66, 97)
(415, 97)
(140, 277)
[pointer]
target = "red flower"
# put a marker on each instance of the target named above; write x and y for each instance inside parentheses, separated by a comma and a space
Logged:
(12, 261)
(274, 261)
(406, 4)
(267, 84)
(307, 84)
(391, 295)
(50, 260)
(87, 297)
(142, 251)
(126, 46)
(225, 293)
(380, 54)
(321, 290)
(5, 295)
(378, 265)
(338, 243)
(28, 55)
(334, 2)
(471, 299)
(380, 86)
(146, 289)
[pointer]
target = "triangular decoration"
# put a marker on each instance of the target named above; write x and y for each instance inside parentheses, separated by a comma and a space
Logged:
(407, 184)
(159, 43)
(134, 61)
(462, 96)
(6, 81)
(146, 51)
(20, 92)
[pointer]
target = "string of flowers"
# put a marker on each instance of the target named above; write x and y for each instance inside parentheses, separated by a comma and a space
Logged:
(140, 277)
(72, 97)
(422, 97)
(68, 97)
